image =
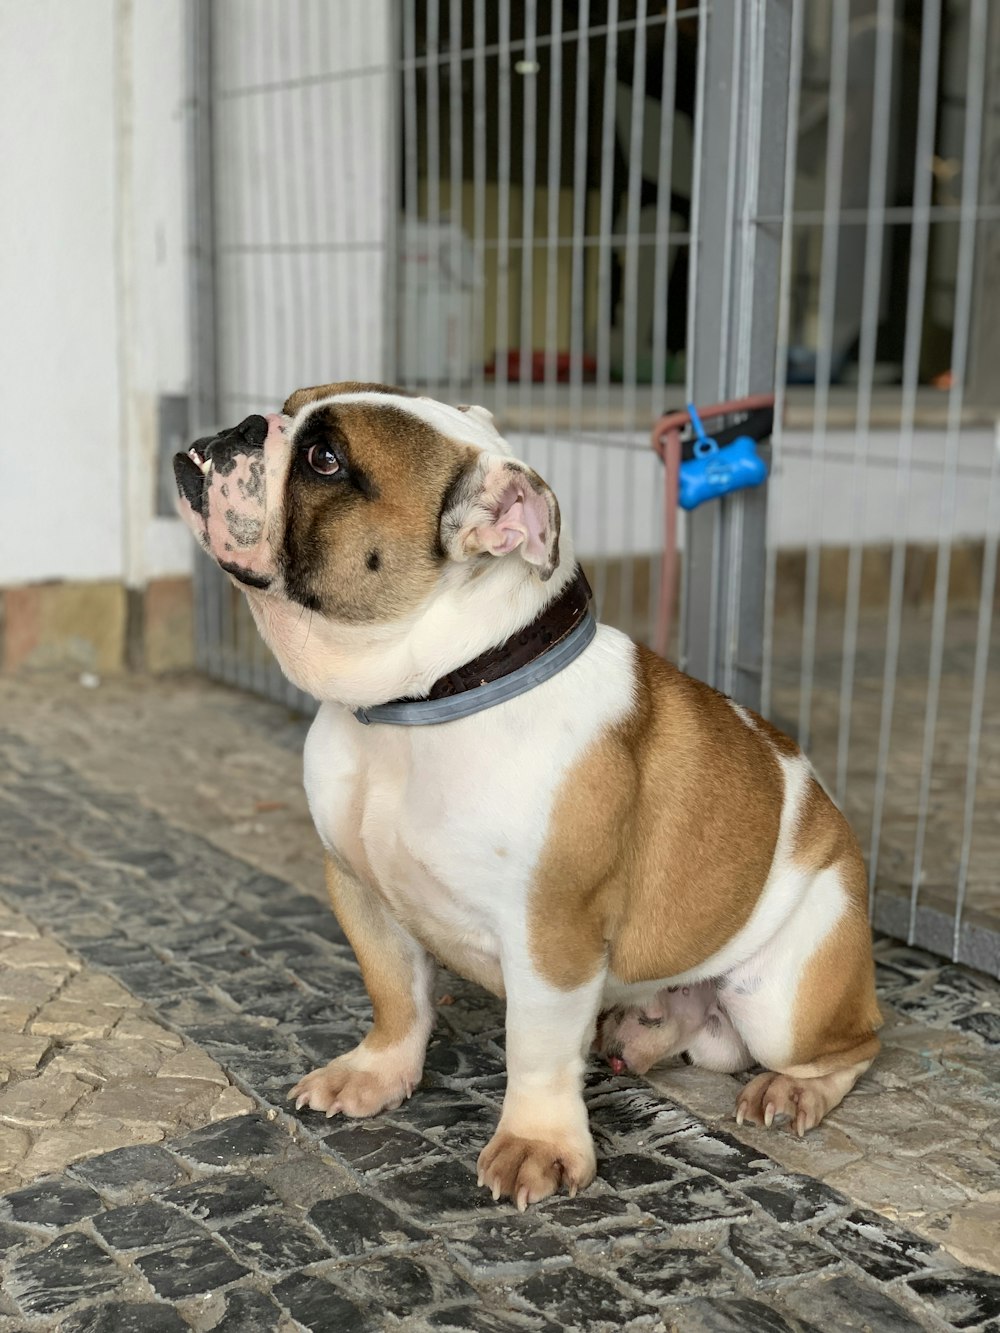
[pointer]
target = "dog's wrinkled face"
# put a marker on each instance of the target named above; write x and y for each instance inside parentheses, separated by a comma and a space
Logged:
(352, 501)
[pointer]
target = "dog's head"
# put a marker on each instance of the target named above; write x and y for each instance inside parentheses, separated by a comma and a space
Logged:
(357, 499)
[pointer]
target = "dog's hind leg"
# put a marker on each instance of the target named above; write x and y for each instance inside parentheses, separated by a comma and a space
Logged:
(383, 1070)
(806, 1005)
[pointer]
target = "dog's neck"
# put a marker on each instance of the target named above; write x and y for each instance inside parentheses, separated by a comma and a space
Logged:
(475, 608)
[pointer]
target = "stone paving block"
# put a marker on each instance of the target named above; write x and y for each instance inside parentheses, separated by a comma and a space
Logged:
(15, 1144)
(125, 1170)
(507, 1247)
(15, 926)
(983, 1024)
(58, 1147)
(373, 1146)
(720, 1154)
(50, 1203)
(579, 1300)
(157, 1101)
(660, 1275)
(842, 1302)
(187, 1269)
(26, 986)
(221, 1198)
(794, 1198)
(248, 1311)
(772, 1254)
(42, 1100)
(698, 1200)
(229, 1102)
(403, 1284)
(242, 1139)
(14, 1017)
(321, 1308)
(478, 1319)
(142, 1226)
(880, 1247)
(95, 988)
(962, 1300)
(141, 1029)
(589, 1209)
(117, 1317)
(272, 1243)
(354, 1224)
(21, 1054)
(14, 1238)
(734, 1316)
(73, 1022)
(37, 954)
(631, 1171)
(439, 1191)
(102, 1060)
(72, 1268)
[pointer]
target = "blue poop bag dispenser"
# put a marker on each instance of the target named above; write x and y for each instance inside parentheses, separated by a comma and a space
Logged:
(716, 471)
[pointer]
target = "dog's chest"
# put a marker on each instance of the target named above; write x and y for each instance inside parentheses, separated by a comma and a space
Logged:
(437, 841)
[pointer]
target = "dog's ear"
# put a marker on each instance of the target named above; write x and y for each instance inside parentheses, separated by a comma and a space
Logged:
(498, 506)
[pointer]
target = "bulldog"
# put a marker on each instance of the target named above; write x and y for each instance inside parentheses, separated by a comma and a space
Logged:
(628, 858)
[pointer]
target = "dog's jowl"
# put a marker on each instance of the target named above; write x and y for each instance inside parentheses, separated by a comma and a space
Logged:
(627, 857)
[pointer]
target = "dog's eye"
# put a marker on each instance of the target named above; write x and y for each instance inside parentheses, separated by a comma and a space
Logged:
(323, 460)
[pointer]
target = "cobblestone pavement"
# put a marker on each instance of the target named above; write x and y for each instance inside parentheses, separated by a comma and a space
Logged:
(274, 1220)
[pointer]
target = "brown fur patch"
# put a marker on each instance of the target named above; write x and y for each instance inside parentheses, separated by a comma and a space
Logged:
(661, 838)
(835, 1007)
(385, 966)
(398, 471)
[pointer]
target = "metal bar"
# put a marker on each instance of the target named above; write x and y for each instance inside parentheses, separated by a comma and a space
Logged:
(610, 90)
(923, 181)
(503, 209)
(411, 165)
(577, 290)
(837, 114)
(984, 629)
(455, 152)
(529, 90)
(878, 168)
(661, 265)
(479, 121)
(391, 265)
(202, 237)
(631, 297)
(739, 169)
(553, 200)
(959, 365)
(778, 448)
(433, 122)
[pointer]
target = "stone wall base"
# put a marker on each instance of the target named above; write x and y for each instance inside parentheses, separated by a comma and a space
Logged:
(100, 627)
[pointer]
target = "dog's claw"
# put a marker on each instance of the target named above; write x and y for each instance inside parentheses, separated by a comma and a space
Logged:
(769, 1114)
(300, 1101)
(741, 1111)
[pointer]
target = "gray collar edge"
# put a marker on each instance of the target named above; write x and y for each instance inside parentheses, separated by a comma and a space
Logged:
(426, 712)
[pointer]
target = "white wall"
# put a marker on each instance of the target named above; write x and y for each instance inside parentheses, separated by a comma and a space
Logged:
(92, 283)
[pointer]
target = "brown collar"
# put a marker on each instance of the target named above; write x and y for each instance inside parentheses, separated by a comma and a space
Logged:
(552, 627)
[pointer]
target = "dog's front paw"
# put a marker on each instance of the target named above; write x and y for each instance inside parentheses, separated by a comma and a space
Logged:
(343, 1086)
(528, 1170)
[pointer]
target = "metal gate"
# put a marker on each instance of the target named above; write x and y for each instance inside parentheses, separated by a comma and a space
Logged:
(584, 213)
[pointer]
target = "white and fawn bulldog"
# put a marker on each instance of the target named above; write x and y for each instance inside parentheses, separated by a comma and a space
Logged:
(621, 853)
